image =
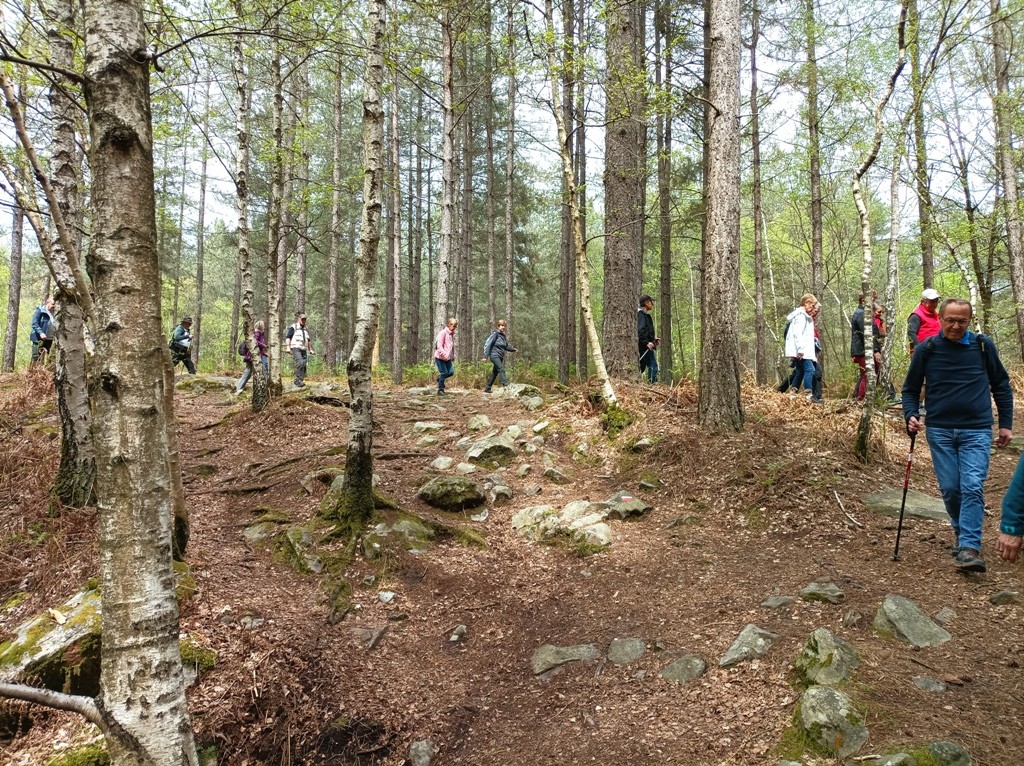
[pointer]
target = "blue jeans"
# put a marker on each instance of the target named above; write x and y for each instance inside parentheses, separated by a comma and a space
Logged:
(248, 373)
(649, 363)
(445, 369)
(960, 457)
(803, 372)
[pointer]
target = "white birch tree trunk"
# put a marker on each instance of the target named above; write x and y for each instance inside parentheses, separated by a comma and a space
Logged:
(358, 485)
(142, 683)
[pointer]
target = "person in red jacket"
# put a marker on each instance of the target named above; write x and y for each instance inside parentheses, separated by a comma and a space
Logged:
(923, 322)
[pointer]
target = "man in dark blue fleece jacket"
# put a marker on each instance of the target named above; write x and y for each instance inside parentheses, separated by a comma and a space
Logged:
(1011, 525)
(963, 373)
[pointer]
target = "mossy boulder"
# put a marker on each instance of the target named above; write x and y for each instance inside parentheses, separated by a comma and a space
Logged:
(296, 547)
(826, 659)
(831, 722)
(62, 657)
(93, 754)
(492, 451)
(451, 493)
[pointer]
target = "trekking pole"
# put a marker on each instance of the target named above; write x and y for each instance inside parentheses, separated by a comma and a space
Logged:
(903, 505)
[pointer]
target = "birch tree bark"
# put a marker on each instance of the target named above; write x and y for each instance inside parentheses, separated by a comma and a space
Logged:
(358, 484)
(569, 177)
(920, 164)
(718, 387)
(331, 333)
(861, 447)
(142, 683)
(567, 267)
(260, 381)
(396, 242)
(77, 472)
(275, 325)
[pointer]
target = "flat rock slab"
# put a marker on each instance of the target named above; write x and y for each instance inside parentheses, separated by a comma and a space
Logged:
(919, 505)
(687, 668)
(828, 592)
(550, 656)
(902, 618)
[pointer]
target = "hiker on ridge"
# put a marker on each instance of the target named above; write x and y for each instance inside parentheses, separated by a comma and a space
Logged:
(301, 347)
(494, 352)
(444, 353)
(800, 344)
(963, 373)
(181, 345)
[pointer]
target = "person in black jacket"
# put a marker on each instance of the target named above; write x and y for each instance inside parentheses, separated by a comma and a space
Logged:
(857, 348)
(42, 333)
(647, 341)
(494, 352)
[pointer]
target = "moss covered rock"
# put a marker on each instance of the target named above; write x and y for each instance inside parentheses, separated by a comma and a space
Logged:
(58, 650)
(451, 493)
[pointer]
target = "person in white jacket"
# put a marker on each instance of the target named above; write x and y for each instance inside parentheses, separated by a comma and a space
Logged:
(800, 343)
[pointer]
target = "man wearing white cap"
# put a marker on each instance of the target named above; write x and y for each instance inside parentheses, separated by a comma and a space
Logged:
(924, 320)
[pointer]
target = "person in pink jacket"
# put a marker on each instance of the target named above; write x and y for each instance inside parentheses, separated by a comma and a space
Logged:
(444, 353)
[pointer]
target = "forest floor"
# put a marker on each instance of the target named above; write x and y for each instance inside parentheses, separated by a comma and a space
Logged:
(736, 519)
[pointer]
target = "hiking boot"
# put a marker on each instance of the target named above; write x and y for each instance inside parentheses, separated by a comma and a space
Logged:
(954, 550)
(968, 560)
(441, 392)
(487, 390)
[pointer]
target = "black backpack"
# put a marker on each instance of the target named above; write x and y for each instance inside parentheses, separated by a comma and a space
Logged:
(243, 347)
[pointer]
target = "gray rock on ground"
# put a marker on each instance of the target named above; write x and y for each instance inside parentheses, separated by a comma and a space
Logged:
(623, 651)
(442, 463)
(999, 598)
(901, 618)
(550, 656)
(827, 592)
(752, 642)
(829, 719)
(425, 427)
(478, 422)
(887, 502)
(492, 451)
(687, 668)
(777, 602)
(826, 659)
(421, 752)
(451, 493)
(949, 753)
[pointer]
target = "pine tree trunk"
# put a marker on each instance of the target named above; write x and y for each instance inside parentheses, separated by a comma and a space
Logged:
(567, 266)
(492, 313)
(302, 233)
(412, 347)
(624, 182)
(464, 339)
(1004, 116)
(762, 369)
(13, 290)
(510, 168)
(447, 174)
(663, 31)
(275, 325)
(358, 484)
(142, 683)
(718, 397)
(814, 151)
(569, 177)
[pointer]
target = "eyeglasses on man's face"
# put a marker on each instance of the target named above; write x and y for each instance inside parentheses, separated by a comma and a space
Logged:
(957, 322)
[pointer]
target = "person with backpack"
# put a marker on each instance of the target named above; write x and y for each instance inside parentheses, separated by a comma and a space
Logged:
(963, 373)
(444, 353)
(181, 345)
(259, 336)
(800, 345)
(857, 348)
(42, 333)
(300, 346)
(494, 352)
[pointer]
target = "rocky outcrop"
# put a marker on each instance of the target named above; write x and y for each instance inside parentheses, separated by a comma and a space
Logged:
(901, 618)
(752, 642)
(830, 721)
(826, 659)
